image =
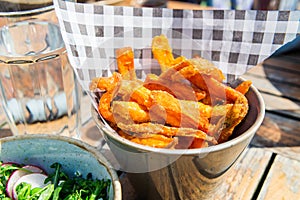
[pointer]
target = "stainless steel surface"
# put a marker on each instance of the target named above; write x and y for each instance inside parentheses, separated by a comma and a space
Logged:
(199, 172)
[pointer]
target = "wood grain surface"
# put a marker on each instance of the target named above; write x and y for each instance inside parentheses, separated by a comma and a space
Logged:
(283, 180)
(267, 170)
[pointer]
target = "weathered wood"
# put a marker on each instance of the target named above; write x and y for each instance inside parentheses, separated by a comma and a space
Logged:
(287, 62)
(281, 75)
(289, 91)
(91, 134)
(282, 98)
(243, 179)
(128, 191)
(275, 81)
(279, 131)
(5, 132)
(288, 152)
(278, 100)
(282, 181)
(276, 103)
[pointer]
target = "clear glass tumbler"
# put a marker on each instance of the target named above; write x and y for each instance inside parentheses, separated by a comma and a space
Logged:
(38, 89)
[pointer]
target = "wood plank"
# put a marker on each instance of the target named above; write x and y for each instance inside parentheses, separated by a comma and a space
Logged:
(258, 71)
(91, 134)
(287, 89)
(288, 152)
(281, 75)
(278, 103)
(275, 100)
(282, 181)
(283, 99)
(243, 179)
(286, 62)
(280, 133)
(5, 132)
(128, 192)
(262, 84)
(279, 89)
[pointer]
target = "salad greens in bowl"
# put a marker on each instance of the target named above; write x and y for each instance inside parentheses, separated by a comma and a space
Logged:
(41, 167)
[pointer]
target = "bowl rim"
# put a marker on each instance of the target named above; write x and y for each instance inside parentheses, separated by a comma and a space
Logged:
(190, 152)
(30, 12)
(81, 144)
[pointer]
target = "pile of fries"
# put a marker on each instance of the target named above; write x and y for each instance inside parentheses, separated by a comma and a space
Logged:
(186, 106)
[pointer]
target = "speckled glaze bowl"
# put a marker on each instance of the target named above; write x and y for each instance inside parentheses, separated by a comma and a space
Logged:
(74, 155)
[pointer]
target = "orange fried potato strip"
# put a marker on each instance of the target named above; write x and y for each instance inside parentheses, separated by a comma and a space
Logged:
(162, 52)
(178, 112)
(148, 129)
(125, 61)
(180, 90)
(155, 140)
(129, 112)
(244, 87)
(204, 66)
(106, 83)
(198, 143)
(187, 105)
(110, 85)
(234, 117)
(158, 141)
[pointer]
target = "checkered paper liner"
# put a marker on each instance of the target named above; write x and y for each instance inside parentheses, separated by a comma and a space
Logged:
(234, 40)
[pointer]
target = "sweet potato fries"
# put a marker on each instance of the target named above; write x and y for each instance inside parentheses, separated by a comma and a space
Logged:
(186, 106)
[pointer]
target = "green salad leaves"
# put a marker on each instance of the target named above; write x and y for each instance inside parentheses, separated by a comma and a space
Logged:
(58, 186)
(5, 172)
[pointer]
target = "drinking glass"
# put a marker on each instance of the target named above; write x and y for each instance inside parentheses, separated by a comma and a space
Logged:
(38, 89)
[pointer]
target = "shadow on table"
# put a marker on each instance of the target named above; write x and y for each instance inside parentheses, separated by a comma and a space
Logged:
(281, 124)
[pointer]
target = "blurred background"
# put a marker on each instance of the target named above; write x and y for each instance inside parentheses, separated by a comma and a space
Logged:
(249, 4)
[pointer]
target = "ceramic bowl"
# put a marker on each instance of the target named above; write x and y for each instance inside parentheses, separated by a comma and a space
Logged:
(73, 155)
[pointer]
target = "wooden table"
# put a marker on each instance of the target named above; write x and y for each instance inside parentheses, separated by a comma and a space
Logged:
(269, 168)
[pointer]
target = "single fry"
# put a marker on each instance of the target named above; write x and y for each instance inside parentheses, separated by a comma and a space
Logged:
(162, 52)
(234, 117)
(244, 87)
(110, 85)
(129, 112)
(141, 95)
(198, 143)
(126, 88)
(180, 113)
(179, 90)
(106, 83)
(125, 61)
(157, 141)
(104, 106)
(208, 68)
(145, 129)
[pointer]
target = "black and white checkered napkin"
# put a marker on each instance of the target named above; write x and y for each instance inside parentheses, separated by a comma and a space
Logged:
(234, 40)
